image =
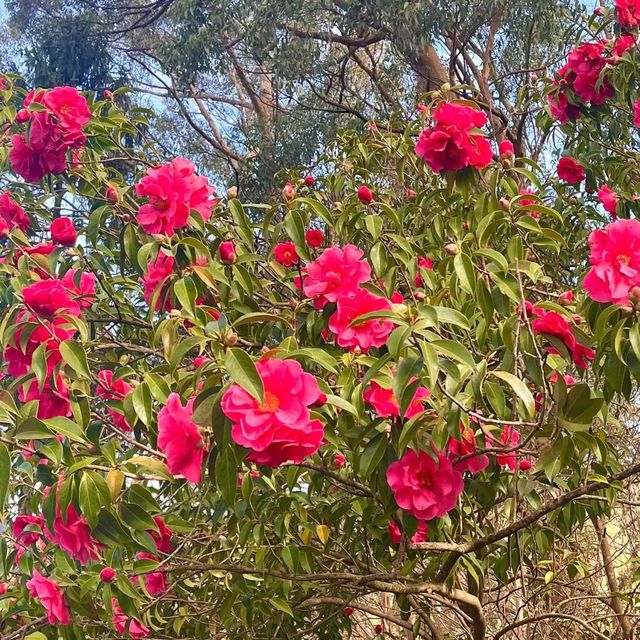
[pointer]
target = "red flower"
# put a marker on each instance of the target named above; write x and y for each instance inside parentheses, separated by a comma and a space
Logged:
(465, 446)
(339, 460)
(628, 13)
(123, 624)
(566, 297)
(561, 109)
(366, 334)
(636, 113)
(179, 437)
(155, 581)
(26, 539)
(71, 111)
(623, 44)
(424, 487)
(583, 70)
(336, 273)
(279, 429)
(427, 265)
(385, 403)
(63, 232)
(506, 149)
(47, 298)
(72, 534)
(314, 237)
(365, 195)
(510, 438)
(285, 253)
(108, 389)
(553, 324)
(615, 261)
(173, 190)
(51, 598)
(395, 532)
(12, 213)
(570, 170)
(449, 145)
(108, 574)
(227, 252)
(157, 276)
(309, 180)
(81, 285)
(609, 199)
(163, 536)
(52, 402)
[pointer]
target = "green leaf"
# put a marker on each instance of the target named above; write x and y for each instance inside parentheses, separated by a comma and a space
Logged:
(227, 475)
(520, 389)
(67, 428)
(5, 471)
(73, 354)
(242, 370)
(465, 272)
(294, 225)
(281, 605)
(408, 368)
(372, 454)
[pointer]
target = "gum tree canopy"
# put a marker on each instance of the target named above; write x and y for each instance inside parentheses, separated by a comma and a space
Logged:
(398, 402)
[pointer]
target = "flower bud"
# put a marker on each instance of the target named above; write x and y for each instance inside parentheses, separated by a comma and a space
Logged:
(411, 194)
(339, 460)
(504, 204)
(107, 94)
(4, 587)
(365, 195)
(288, 191)
(452, 249)
(348, 611)
(421, 108)
(506, 150)
(566, 297)
(576, 318)
(525, 465)
(634, 294)
(111, 194)
(22, 116)
(309, 180)
(231, 339)
(227, 252)
(232, 192)
(321, 401)
(108, 574)
(378, 629)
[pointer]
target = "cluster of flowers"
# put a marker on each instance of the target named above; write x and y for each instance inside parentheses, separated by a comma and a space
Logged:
(72, 534)
(50, 132)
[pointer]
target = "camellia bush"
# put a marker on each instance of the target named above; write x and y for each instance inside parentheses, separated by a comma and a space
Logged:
(375, 406)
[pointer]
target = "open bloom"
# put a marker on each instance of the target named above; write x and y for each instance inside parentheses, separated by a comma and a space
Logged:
(12, 213)
(52, 401)
(285, 253)
(628, 13)
(449, 145)
(179, 437)
(464, 446)
(123, 624)
(25, 539)
(609, 199)
(51, 598)
(554, 324)
(81, 285)
(336, 273)
(155, 581)
(172, 191)
(280, 428)
(63, 232)
(615, 261)
(570, 170)
(385, 403)
(366, 334)
(108, 389)
(73, 535)
(47, 298)
(510, 438)
(424, 487)
(157, 276)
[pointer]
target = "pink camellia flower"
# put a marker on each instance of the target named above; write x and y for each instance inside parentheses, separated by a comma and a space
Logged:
(108, 574)
(584, 72)
(553, 324)
(179, 437)
(628, 12)
(636, 113)
(73, 535)
(280, 428)
(25, 539)
(525, 465)
(509, 438)
(4, 587)
(45, 152)
(369, 333)
(609, 199)
(46, 332)
(155, 581)
(48, 298)
(424, 487)
(623, 44)
(314, 237)
(365, 195)
(336, 273)
(568, 380)
(108, 389)
(506, 150)
(464, 446)
(385, 403)
(570, 170)
(156, 276)
(561, 109)
(51, 598)
(81, 285)
(421, 534)
(63, 232)
(71, 111)
(172, 191)
(427, 265)
(566, 297)
(615, 261)
(52, 402)
(395, 532)
(123, 624)
(12, 213)
(285, 253)
(227, 252)
(449, 145)
(163, 536)
(339, 460)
